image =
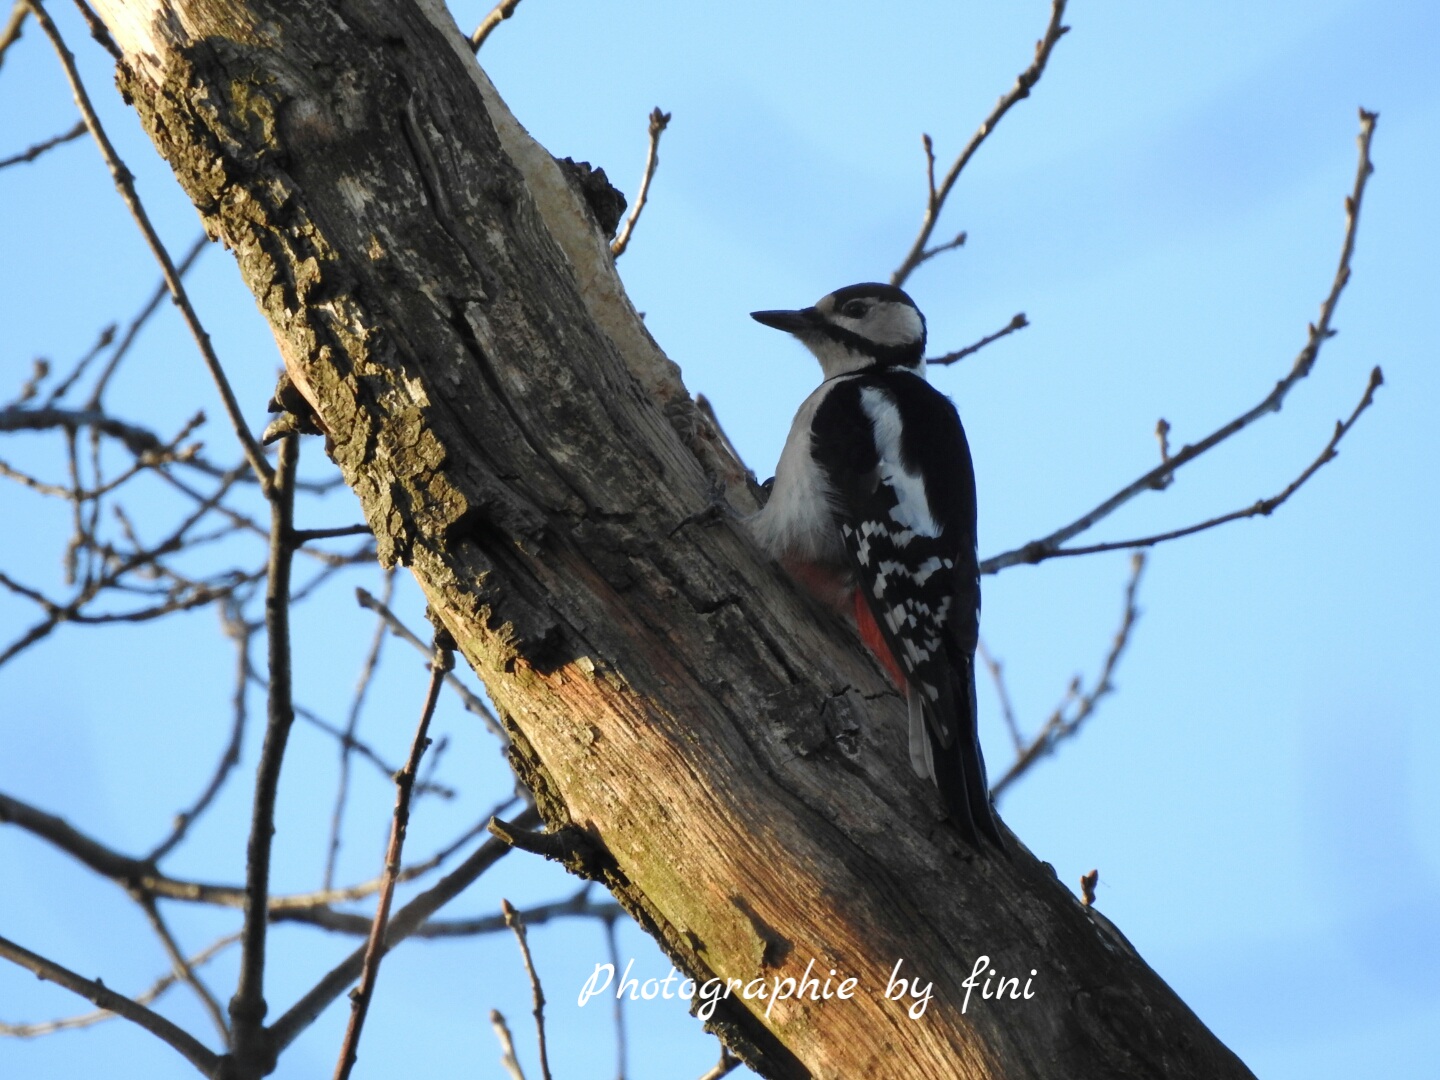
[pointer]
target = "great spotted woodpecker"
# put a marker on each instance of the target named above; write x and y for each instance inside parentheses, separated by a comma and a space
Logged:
(872, 509)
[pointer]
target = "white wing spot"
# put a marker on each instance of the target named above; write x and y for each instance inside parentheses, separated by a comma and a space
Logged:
(922, 573)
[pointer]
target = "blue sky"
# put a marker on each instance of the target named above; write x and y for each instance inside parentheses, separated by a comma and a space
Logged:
(1166, 209)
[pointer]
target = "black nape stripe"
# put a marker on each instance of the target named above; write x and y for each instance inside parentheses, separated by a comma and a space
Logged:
(902, 356)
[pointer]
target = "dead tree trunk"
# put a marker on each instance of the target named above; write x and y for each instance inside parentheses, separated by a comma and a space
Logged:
(731, 762)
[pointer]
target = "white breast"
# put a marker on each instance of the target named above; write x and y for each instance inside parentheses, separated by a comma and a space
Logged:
(798, 522)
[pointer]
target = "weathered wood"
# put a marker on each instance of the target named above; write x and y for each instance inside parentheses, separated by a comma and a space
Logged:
(444, 301)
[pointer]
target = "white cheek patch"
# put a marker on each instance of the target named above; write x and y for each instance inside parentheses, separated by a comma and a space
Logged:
(892, 324)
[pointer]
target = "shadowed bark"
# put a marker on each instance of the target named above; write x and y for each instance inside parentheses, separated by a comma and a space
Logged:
(732, 765)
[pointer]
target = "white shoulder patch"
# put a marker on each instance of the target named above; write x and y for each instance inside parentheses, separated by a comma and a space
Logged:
(912, 509)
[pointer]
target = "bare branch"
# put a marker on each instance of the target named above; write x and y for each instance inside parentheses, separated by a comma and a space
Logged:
(498, 14)
(937, 196)
(137, 323)
(931, 196)
(39, 372)
(727, 1064)
(612, 950)
(99, 1016)
(305, 536)
(579, 906)
(247, 1007)
(513, 920)
(406, 921)
(169, 453)
(1261, 507)
(1157, 478)
(140, 874)
(1019, 322)
(139, 441)
(1062, 724)
(180, 965)
(71, 611)
(240, 633)
(659, 121)
(1007, 710)
(352, 744)
(471, 700)
(182, 1041)
(99, 31)
(106, 338)
(342, 788)
(14, 27)
(41, 147)
(125, 182)
(443, 660)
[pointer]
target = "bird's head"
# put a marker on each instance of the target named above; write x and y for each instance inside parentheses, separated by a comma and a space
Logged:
(857, 327)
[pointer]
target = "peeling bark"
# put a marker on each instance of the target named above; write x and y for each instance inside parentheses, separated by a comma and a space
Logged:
(448, 307)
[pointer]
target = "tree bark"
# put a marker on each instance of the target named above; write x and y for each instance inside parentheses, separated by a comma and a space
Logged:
(730, 760)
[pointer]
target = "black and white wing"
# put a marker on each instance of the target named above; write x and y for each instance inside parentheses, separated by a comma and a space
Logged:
(900, 473)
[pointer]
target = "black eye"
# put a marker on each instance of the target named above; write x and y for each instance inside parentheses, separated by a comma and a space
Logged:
(854, 309)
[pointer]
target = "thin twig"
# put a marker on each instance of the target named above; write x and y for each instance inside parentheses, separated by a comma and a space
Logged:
(39, 372)
(513, 920)
(305, 536)
(99, 31)
(1157, 478)
(247, 1007)
(498, 14)
(471, 700)
(612, 949)
(14, 27)
(936, 196)
(99, 1016)
(1007, 710)
(404, 785)
(180, 965)
(362, 686)
(71, 612)
(240, 633)
(182, 1041)
(659, 121)
(140, 874)
(141, 442)
(1061, 726)
(579, 906)
(75, 493)
(359, 746)
(125, 182)
(1259, 508)
(508, 1060)
(137, 323)
(104, 341)
(405, 922)
(727, 1064)
(41, 147)
(1019, 322)
(1162, 436)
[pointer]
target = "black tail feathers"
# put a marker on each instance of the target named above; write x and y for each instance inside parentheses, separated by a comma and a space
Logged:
(960, 771)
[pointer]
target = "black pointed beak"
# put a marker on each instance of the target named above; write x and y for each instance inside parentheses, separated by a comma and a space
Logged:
(792, 322)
